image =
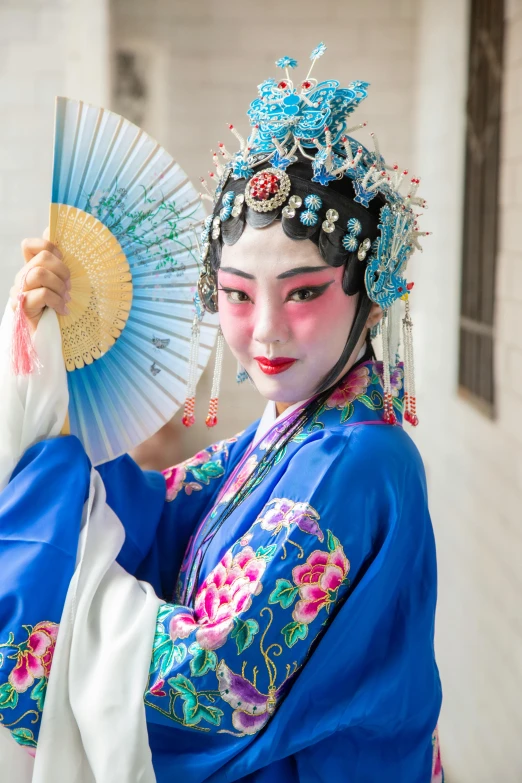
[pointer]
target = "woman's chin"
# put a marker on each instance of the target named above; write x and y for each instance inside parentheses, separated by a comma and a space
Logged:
(279, 389)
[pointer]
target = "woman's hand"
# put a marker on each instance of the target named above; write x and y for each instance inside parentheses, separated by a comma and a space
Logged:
(47, 283)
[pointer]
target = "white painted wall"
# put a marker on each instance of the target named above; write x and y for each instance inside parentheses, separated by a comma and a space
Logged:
(47, 48)
(474, 464)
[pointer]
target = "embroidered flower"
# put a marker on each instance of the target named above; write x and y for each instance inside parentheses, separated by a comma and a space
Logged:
(34, 656)
(200, 466)
(240, 479)
(226, 593)
(318, 580)
(396, 377)
(275, 433)
(282, 513)
(353, 386)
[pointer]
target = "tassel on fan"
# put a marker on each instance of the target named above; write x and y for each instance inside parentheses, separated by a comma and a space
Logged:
(123, 214)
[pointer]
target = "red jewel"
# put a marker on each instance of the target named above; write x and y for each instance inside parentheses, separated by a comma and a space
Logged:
(306, 85)
(188, 420)
(400, 290)
(211, 420)
(264, 185)
(282, 85)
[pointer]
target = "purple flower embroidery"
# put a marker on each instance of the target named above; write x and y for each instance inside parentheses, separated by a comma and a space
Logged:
(282, 513)
(396, 377)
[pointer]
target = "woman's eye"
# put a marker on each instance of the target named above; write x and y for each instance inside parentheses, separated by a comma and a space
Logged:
(236, 296)
(304, 294)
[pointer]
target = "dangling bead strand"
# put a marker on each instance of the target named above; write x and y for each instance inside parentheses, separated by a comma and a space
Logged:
(410, 401)
(190, 398)
(211, 420)
(389, 415)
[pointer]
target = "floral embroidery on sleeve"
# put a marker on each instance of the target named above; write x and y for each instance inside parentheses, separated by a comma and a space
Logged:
(251, 636)
(28, 678)
(197, 471)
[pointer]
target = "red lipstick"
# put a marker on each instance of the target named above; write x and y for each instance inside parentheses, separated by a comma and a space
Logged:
(274, 366)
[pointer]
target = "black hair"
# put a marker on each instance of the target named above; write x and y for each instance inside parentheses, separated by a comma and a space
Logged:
(338, 195)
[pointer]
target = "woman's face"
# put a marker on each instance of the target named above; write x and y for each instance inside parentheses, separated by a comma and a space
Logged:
(283, 312)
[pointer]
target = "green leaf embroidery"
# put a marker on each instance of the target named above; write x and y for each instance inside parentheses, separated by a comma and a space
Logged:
(193, 710)
(244, 632)
(347, 412)
(333, 542)
(267, 552)
(182, 685)
(203, 661)
(194, 713)
(284, 593)
(24, 737)
(163, 613)
(8, 696)
(207, 471)
(293, 632)
(38, 693)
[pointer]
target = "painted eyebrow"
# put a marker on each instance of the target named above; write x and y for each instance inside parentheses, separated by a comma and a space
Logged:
(238, 272)
(299, 270)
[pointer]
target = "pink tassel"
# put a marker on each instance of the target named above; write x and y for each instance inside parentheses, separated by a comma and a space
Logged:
(24, 358)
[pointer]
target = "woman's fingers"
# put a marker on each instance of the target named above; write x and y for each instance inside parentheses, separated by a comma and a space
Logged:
(44, 260)
(32, 246)
(45, 279)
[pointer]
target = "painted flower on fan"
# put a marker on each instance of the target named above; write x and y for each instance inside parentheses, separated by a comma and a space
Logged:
(353, 386)
(396, 377)
(282, 513)
(318, 581)
(286, 62)
(34, 656)
(224, 595)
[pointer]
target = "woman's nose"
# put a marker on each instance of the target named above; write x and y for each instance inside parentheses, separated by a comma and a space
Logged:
(270, 325)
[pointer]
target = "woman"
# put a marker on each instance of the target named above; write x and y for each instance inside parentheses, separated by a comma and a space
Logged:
(293, 566)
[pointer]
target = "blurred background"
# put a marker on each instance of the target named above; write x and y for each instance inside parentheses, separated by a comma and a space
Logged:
(446, 103)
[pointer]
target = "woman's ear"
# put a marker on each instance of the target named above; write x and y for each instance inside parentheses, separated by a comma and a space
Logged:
(375, 315)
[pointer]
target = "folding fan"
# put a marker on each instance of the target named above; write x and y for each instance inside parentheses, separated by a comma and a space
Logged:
(124, 216)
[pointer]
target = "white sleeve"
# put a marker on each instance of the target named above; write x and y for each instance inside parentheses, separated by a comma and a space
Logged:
(32, 407)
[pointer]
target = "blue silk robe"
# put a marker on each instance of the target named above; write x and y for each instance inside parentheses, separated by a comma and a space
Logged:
(296, 640)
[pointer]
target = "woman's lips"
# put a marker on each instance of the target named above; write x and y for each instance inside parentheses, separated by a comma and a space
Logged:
(274, 366)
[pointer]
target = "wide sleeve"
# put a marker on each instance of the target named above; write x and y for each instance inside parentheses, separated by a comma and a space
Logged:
(160, 510)
(317, 621)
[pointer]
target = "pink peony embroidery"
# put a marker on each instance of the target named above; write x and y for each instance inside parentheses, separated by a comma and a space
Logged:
(226, 593)
(242, 475)
(353, 386)
(34, 656)
(202, 468)
(318, 580)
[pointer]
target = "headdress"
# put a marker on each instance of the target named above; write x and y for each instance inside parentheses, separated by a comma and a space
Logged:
(299, 156)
